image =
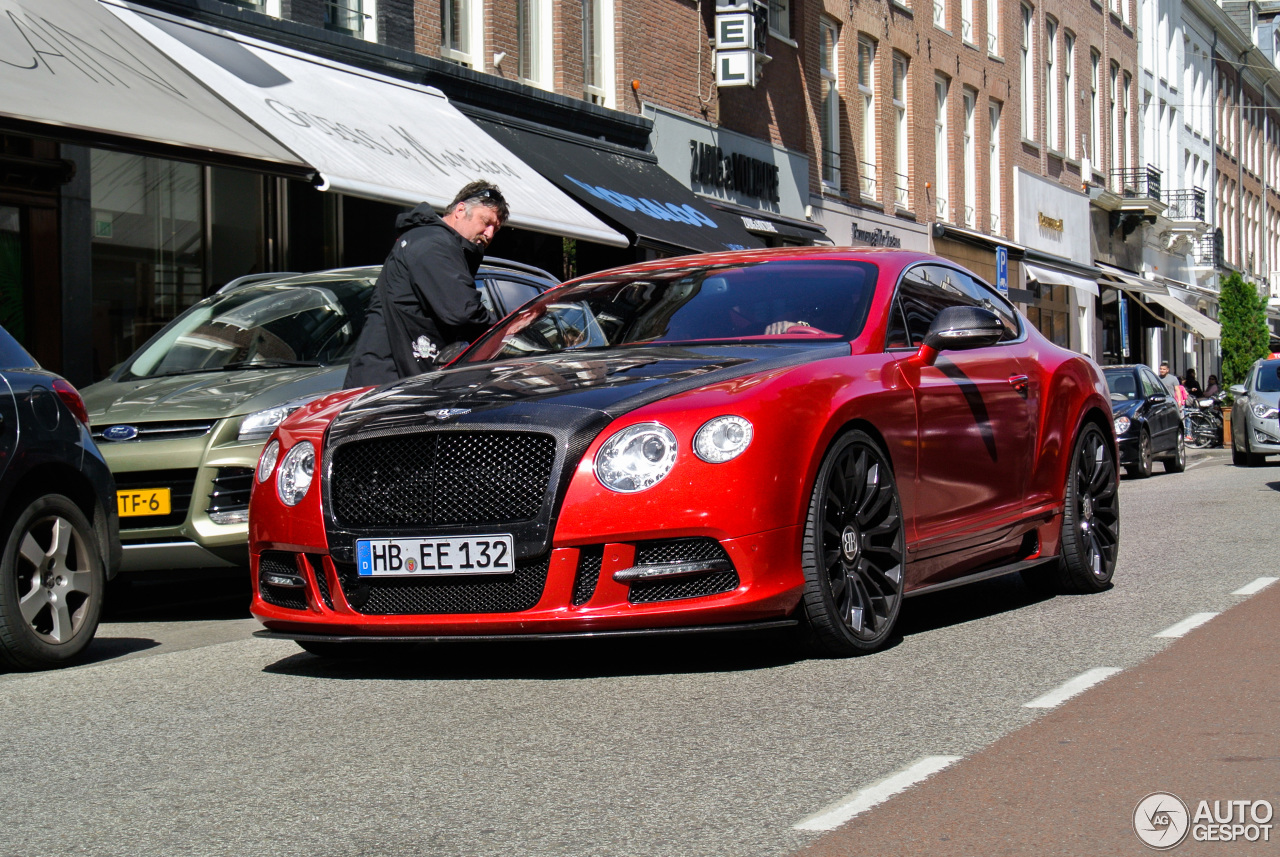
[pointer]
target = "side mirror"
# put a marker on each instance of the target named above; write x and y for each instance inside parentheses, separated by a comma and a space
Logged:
(1237, 389)
(959, 328)
(1157, 398)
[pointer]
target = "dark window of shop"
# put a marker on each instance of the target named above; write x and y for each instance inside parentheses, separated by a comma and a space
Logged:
(1052, 313)
(12, 314)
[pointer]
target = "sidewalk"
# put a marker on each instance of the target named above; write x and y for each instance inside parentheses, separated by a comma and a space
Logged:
(1200, 721)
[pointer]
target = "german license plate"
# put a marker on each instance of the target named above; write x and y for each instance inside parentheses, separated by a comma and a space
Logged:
(143, 501)
(447, 555)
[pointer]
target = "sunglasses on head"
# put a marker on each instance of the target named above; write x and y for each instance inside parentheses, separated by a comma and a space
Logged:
(490, 193)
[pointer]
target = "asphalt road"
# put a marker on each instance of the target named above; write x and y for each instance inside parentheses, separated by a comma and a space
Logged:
(184, 735)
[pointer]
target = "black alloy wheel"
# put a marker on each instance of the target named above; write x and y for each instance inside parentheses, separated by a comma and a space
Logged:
(52, 580)
(853, 550)
(1141, 468)
(1091, 515)
(1178, 462)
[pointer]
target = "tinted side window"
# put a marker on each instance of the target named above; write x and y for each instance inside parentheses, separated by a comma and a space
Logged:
(925, 291)
(1150, 383)
(512, 293)
(984, 295)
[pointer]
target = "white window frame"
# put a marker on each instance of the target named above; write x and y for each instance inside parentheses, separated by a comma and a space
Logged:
(1051, 126)
(829, 68)
(604, 91)
(996, 197)
(1070, 132)
(966, 21)
(780, 18)
(1095, 110)
(869, 168)
(472, 19)
(993, 28)
(941, 149)
(535, 68)
(902, 137)
(969, 155)
(1028, 74)
(940, 14)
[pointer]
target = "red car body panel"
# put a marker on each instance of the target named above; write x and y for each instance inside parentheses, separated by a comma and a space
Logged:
(979, 443)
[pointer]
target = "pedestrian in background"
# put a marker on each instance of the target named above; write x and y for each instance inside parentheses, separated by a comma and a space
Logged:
(426, 298)
(1192, 385)
(1212, 389)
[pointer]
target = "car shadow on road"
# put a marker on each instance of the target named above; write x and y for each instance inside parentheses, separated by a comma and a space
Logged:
(965, 604)
(180, 595)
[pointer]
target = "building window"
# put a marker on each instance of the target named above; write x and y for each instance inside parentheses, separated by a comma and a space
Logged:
(1126, 92)
(969, 152)
(902, 138)
(867, 93)
(966, 21)
(533, 30)
(940, 13)
(1028, 77)
(1069, 99)
(597, 51)
(994, 168)
(353, 17)
(458, 32)
(1115, 162)
(830, 49)
(780, 17)
(942, 161)
(993, 27)
(1095, 108)
(1051, 84)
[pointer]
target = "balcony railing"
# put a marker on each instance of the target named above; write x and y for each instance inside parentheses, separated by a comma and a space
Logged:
(1185, 204)
(970, 216)
(1140, 182)
(1209, 253)
(993, 43)
(830, 167)
(995, 223)
(939, 14)
(868, 179)
(901, 195)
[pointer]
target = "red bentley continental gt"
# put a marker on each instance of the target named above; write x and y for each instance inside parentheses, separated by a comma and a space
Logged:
(741, 440)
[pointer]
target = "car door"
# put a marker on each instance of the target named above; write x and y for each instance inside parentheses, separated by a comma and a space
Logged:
(1163, 417)
(975, 416)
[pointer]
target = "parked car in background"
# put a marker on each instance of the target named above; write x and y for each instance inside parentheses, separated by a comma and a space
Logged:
(182, 421)
(797, 437)
(1255, 427)
(1148, 423)
(57, 517)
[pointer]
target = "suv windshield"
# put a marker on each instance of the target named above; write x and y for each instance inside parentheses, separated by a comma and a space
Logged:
(775, 301)
(304, 321)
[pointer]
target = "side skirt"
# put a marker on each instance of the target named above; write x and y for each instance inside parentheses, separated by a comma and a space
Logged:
(998, 571)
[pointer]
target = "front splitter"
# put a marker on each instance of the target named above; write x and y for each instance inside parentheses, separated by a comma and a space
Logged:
(563, 635)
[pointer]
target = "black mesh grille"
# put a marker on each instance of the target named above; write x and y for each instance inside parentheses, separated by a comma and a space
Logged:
(441, 478)
(316, 561)
(696, 586)
(279, 562)
(507, 593)
(231, 489)
(678, 550)
(584, 584)
(181, 484)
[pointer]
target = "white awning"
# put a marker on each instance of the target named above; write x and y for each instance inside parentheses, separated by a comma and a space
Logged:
(1054, 276)
(366, 134)
(71, 66)
(1131, 282)
(1199, 323)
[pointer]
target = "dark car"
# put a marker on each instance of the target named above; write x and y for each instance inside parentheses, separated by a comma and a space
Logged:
(182, 420)
(780, 438)
(1148, 423)
(57, 516)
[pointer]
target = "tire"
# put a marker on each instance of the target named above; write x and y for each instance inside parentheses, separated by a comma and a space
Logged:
(1091, 517)
(1141, 468)
(853, 550)
(1251, 458)
(1178, 462)
(52, 582)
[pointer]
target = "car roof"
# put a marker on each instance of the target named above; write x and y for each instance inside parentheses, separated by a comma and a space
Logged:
(488, 266)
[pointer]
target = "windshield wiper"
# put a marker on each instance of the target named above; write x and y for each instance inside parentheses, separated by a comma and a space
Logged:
(266, 364)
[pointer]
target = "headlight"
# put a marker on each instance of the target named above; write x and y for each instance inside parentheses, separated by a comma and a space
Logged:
(261, 424)
(1263, 411)
(636, 458)
(722, 439)
(1122, 425)
(267, 462)
(294, 477)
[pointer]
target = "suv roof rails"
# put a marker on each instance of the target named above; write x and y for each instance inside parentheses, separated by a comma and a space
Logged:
(494, 262)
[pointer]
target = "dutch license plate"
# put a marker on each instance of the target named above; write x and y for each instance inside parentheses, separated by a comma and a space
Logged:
(436, 556)
(144, 501)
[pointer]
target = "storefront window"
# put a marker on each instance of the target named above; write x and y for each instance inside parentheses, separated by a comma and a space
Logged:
(12, 315)
(1052, 316)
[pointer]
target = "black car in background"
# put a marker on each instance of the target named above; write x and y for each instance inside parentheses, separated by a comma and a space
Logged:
(1147, 420)
(57, 516)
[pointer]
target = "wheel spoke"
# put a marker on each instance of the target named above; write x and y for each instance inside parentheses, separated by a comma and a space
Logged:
(31, 550)
(62, 534)
(33, 602)
(63, 627)
(78, 581)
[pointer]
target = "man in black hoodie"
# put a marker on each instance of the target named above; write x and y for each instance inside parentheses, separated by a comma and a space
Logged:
(426, 297)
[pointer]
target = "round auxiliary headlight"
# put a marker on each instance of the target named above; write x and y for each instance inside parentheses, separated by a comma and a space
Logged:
(636, 458)
(294, 477)
(722, 439)
(267, 461)
(1122, 425)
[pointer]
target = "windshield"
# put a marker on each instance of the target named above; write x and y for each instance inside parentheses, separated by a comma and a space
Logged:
(775, 301)
(1123, 385)
(299, 322)
(1268, 377)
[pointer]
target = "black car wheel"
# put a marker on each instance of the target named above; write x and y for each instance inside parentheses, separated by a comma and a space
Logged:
(52, 580)
(1141, 468)
(1091, 518)
(853, 553)
(1178, 462)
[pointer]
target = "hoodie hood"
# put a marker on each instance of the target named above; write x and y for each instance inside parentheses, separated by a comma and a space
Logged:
(425, 216)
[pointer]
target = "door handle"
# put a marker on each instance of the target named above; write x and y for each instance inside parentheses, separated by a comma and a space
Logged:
(1020, 383)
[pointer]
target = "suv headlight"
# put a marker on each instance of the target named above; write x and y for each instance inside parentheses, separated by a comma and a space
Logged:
(722, 439)
(1122, 425)
(636, 458)
(294, 476)
(1263, 411)
(260, 424)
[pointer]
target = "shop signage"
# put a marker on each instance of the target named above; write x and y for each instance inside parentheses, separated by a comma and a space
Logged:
(742, 32)
(710, 165)
(1002, 270)
(1124, 325)
(874, 237)
(1050, 222)
(668, 211)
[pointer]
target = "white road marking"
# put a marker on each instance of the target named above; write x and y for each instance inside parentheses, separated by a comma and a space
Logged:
(1257, 586)
(1079, 684)
(1195, 620)
(847, 807)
